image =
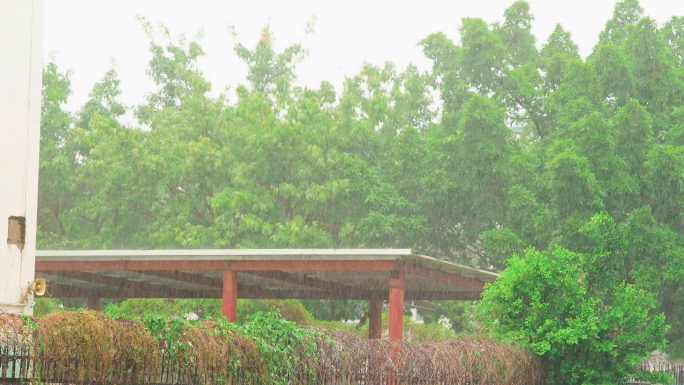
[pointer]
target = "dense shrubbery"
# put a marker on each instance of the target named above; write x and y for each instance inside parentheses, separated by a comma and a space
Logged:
(293, 310)
(87, 345)
(585, 330)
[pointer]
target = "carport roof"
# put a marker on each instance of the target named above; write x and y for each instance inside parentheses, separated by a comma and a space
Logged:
(361, 274)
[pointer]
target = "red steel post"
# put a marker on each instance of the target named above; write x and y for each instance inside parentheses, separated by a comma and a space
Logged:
(396, 325)
(396, 309)
(230, 295)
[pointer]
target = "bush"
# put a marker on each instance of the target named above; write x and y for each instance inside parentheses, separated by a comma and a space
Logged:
(285, 348)
(292, 310)
(87, 346)
(213, 351)
(348, 358)
(106, 349)
(584, 334)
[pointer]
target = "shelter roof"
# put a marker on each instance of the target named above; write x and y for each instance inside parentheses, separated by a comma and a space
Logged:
(262, 273)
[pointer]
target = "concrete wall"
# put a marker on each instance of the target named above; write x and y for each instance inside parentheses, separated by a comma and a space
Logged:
(21, 37)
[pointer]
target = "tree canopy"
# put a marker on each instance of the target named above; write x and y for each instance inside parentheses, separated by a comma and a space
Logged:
(396, 157)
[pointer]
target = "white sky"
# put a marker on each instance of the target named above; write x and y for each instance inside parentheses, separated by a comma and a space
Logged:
(85, 35)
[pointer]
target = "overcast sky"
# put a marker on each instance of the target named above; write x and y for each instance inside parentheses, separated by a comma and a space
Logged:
(85, 35)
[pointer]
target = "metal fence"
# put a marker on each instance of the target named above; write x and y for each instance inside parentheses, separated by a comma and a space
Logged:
(15, 360)
(676, 370)
(18, 365)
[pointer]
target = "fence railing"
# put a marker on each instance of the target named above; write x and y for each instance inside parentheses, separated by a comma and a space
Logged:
(15, 360)
(90, 348)
(18, 364)
(676, 370)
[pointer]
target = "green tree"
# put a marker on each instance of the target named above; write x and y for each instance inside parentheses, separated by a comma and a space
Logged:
(103, 101)
(57, 159)
(673, 32)
(625, 15)
(583, 332)
(556, 54)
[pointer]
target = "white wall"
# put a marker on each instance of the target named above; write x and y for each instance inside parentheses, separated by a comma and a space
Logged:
(21, 38)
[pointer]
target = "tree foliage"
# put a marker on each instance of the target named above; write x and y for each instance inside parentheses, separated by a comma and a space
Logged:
(588, 330)
(395, 157)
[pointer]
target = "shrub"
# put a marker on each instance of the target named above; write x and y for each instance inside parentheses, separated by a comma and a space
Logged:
(87, 346)
(106, 349)
(584, 334)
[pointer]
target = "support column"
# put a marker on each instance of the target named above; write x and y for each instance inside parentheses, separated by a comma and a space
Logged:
(375, 319)
(396, 325)
(230, 295)
(396, 309)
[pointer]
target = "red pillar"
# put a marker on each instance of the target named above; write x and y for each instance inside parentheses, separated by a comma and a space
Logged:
(375, 319)
(230, 295)
(396, 324)
(396, 309)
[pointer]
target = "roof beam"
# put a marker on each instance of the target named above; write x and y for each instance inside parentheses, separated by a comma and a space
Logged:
(180, 276)
(131, 288)
(459, 280)
(233, 254)
(307, 265)
(100, 279)
(247, 292)
(132, 265)
(253, 292)
(125, 265)
(302, 280)
(66, 291)
(442, 296)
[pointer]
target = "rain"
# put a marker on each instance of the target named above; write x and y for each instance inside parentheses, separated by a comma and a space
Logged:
(293, 193)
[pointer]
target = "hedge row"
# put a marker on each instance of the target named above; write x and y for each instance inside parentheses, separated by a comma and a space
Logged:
(91, 346)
